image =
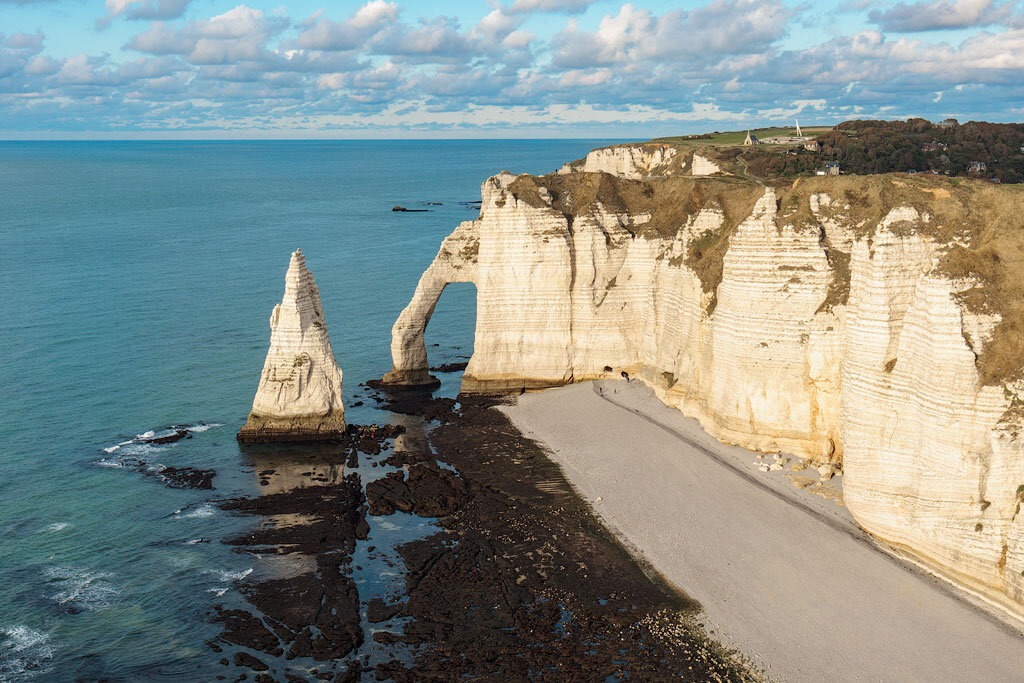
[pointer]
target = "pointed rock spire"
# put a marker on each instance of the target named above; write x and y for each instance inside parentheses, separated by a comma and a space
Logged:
(299, 396)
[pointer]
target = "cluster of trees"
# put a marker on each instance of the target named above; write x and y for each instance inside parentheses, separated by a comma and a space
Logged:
(866, 147)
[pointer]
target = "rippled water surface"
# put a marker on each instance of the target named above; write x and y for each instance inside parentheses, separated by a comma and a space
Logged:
(136, 280)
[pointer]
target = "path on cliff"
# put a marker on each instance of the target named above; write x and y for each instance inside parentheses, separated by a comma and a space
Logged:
(785, 577)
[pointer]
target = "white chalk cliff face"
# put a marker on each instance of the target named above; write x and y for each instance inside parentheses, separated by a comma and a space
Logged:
(299, 395)
(790, 319)
(627, 161)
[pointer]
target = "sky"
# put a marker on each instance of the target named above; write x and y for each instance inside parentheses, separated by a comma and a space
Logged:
(126, 69)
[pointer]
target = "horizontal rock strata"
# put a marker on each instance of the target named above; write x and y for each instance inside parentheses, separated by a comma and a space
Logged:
(299, 395)
(865, 322)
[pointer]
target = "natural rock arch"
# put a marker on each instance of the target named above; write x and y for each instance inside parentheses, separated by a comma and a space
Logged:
(456, 261)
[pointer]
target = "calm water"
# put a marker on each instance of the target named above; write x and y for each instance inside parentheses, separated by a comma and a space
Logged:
(136, 280)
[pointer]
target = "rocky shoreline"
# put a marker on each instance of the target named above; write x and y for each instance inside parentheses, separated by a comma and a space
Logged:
(517, 579)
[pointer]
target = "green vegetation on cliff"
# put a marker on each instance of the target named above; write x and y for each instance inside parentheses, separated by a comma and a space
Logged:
(993, 151)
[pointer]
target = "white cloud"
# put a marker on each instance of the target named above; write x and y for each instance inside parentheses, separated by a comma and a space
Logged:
(347, 34)
(25, 41)
(569, 6)
(142, 9)
(718, 28)
(722, 60)
(941, 14)
(240, 34)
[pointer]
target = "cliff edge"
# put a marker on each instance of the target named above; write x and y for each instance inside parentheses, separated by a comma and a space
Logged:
(299, 395)
(874, 323)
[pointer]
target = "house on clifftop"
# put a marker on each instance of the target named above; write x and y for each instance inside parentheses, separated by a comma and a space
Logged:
(751, 140)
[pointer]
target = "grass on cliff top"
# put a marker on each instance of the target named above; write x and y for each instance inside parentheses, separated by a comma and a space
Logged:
(671, 202)
(982, 223)
(737, 137)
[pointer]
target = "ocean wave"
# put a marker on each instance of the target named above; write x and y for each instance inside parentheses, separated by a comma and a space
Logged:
(57, 526)
(202, 427)
(24, 653)
(133, 455)
(204, 510)
(229, 576)
(144, 444)
(82, 590)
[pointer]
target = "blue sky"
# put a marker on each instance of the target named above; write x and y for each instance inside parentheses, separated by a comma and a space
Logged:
(496, 68)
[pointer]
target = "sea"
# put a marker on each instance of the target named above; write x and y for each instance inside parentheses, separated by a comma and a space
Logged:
(136, 284)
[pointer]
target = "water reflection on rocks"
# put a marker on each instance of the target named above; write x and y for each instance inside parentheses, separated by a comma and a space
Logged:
(299, 612)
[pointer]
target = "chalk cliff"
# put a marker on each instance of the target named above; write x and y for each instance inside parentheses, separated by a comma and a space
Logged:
(299, 395)
(869, 322)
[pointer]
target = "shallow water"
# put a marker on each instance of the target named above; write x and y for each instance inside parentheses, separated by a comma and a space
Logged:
(136, 281)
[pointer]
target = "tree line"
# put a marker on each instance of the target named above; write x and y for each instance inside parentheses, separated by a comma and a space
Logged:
(866, 147)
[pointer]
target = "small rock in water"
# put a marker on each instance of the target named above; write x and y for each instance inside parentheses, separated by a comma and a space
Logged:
(246, 659)
(178, 435)
(449, 367)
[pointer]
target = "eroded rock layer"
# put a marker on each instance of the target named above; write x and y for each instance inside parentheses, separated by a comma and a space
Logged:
(299, 395)
(868, 322)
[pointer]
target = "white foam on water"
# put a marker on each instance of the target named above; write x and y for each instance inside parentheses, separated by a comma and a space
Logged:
(204, 510)
(24, 653)
(138, 449)
(229, 576)
(108, 462)
(217, 591)
(200, 428)
(130, 455)
(82, 589)
(57, 526)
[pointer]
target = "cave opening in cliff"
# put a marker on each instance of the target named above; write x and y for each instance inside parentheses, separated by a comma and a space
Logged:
(450, 331)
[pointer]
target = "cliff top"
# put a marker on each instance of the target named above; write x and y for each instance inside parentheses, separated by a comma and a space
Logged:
(979, 149)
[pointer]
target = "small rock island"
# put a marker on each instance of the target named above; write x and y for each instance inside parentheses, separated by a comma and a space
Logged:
(299, 395)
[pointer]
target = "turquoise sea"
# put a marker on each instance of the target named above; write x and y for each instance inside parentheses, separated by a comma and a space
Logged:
(136, 281)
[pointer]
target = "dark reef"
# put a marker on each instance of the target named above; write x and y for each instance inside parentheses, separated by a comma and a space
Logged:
(518, 582)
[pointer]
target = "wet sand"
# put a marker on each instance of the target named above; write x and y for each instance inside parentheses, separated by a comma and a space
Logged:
(782, 574)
